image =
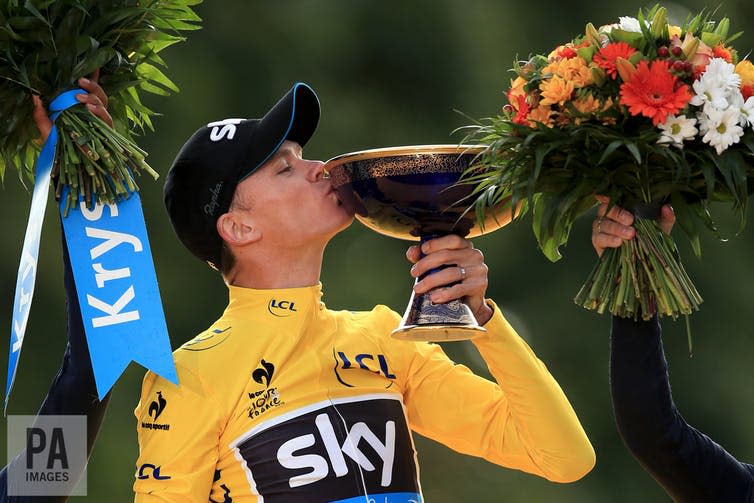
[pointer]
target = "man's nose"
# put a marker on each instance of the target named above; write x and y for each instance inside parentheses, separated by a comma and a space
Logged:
(317, 171)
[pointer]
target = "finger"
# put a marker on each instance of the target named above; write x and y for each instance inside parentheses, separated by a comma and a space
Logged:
(620, 215)
(602, 241)
(442, 258)
(92, 87)
(413, 254)
(95, 105)
(449, 242)
(612, 228)
(667, 219)
(43, 122)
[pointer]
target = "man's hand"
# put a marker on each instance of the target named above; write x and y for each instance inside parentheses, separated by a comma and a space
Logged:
(610, 228)
(465, 267)
(95, 101)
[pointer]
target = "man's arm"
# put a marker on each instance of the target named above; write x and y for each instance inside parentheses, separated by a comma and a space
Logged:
(687, 463)
(178, 430)
(73, 390)
(522, 421)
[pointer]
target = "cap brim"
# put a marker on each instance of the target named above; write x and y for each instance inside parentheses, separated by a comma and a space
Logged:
(294, 118)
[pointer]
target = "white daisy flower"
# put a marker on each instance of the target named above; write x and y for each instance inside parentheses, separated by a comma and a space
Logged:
(720, 128)
(716, 85)
(631, 24)
(677, 129)
(747, 112)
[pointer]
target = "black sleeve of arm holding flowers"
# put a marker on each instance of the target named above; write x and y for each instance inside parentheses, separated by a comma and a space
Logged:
(685, 462)
(73, 390)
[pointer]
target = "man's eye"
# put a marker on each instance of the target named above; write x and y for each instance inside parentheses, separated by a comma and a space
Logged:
(284, 169)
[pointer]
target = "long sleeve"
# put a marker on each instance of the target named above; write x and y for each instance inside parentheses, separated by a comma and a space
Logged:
(178, 430)
(688, 464)
(73, 390)
(523, 420)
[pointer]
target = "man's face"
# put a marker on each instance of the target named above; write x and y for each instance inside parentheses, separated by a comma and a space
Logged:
(290, 201)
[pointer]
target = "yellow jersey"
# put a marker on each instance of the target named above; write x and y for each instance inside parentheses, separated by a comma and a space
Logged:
(284, 400)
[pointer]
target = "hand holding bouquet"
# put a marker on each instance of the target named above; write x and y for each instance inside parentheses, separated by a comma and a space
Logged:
(47, 46)
(644, 113)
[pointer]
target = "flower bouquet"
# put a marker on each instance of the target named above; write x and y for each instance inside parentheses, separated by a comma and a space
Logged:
(643, 112)
(46, 46)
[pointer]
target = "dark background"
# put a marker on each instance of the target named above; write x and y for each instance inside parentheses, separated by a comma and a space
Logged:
(394, 73)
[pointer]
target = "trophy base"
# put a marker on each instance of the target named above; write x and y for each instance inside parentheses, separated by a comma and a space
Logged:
(426, 321)
(437, 333)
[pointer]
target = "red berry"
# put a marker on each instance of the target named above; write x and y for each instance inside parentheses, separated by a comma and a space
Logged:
(687, 67)
(663, 51)
(676, 50)
(679, 66)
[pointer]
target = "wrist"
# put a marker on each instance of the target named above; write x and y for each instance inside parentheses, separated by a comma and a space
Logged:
(484, 313)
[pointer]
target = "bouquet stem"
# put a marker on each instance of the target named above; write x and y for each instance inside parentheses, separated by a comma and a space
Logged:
(642, 277)
(94, 161)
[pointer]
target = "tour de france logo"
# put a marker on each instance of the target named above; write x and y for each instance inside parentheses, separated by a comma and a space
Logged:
(156, 407)
(263, 400)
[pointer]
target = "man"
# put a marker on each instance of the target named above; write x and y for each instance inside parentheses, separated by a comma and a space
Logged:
(73, 390)
(685, 462)
(284, 400)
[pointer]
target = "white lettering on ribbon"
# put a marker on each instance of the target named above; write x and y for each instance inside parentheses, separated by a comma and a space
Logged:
(114, 313)
(112, 239)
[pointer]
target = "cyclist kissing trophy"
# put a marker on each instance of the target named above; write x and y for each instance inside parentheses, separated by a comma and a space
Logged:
(416, 193)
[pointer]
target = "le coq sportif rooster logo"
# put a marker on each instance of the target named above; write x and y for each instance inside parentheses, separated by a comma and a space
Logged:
(157, 406)
(263, 375)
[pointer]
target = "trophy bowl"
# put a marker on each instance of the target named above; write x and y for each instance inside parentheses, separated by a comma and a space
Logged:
(416, 193)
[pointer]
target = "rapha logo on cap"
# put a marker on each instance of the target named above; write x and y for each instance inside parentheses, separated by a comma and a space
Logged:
(224, 129)
(213, 204)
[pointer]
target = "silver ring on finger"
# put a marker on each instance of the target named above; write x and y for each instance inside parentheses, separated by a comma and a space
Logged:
(462, 270)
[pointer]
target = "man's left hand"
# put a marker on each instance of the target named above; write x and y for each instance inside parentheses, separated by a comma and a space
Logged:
(464, 277)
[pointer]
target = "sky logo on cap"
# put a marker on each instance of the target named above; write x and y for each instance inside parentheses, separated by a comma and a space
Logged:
(224, 129)
(281, 308)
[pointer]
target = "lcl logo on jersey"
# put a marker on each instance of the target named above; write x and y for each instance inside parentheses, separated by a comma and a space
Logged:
(148, 470)
(281, 308)
(349, 369)
(336, 451)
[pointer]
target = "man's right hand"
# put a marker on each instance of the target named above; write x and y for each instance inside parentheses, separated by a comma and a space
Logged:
(612, 227)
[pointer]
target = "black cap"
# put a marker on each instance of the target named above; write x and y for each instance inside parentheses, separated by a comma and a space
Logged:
(202, 180)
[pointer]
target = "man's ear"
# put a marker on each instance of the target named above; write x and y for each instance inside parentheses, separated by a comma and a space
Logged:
(237, 229)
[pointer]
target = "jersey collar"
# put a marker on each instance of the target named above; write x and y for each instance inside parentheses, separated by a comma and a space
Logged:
(277, 303)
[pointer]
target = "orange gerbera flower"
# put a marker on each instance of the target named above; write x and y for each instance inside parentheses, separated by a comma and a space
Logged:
(720, 51)
(555, 90)
(572, 70)
(652, 92)
(606, 56)
(543, 114)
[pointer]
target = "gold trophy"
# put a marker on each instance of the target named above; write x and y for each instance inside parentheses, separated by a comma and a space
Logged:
(417, 193)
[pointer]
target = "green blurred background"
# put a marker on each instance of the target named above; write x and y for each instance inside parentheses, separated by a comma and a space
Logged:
(397, 73)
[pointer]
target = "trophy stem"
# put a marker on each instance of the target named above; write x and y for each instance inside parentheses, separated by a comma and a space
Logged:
(426, 321)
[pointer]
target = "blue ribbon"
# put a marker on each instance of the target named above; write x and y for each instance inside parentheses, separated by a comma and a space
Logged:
(157, 356)
(117, 289)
